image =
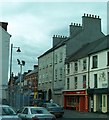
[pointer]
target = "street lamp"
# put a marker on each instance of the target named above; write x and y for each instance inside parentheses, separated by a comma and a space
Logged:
(21, 63)
(11, 73)
(18, 50)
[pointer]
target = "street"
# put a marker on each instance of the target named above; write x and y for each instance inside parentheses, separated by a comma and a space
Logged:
(74, 115)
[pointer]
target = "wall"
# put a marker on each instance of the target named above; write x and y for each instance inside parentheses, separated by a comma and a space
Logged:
(59, 83)
(100, 70)
(4, 61)
(45, 73)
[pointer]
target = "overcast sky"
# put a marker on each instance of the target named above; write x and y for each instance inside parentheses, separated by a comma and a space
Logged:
(32, 24)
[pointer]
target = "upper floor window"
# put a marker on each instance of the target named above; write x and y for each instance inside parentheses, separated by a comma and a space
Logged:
(95, 80)
(107, 58)
(84, 81)
(68, 68)
(60, 73)
(75, 82)
(76, 66)
(61, 56)
(68, 83)
(95, 61)
(56, 58)
(56, 75)
(84, 64)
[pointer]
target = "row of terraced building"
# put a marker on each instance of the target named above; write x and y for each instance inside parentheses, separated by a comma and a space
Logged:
(75, 71)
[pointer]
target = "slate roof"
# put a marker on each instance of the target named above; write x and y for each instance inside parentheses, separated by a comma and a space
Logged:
(55, 47)
(32, 72)
(90, 48)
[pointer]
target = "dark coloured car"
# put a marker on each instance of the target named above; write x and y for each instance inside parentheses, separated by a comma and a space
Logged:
(54, 108)
(38, 102)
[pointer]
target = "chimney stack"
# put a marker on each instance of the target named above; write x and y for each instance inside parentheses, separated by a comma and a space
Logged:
(4, 25)
(74, 29)
(35, 67)
(57, 39)
(91, 22)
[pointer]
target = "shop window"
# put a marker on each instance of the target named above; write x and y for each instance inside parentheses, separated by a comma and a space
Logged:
(71, 101)
(68, 83)
(108, 58)
(95, 61)
(104, 101)
(84, 64)
(84, 81)
(95, 80)
(75, 82)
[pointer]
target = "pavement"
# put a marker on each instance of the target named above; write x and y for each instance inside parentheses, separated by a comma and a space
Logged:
(77, 114)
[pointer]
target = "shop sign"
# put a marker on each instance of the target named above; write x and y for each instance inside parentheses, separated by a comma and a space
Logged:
(75, 92)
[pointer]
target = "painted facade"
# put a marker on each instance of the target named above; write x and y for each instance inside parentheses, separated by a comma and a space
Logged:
(59, 74)
(76, 84)
(88, 70)
(99, 80)
(45, 76)
(4, 59)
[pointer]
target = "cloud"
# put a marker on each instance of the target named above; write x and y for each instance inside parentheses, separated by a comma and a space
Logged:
(32, 24)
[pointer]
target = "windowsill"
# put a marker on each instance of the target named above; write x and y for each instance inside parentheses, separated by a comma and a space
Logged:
(60, 80)
(94, 67)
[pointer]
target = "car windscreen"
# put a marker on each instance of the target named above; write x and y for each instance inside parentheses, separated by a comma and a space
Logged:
(7, 111)
(39, 111)
(52, 105)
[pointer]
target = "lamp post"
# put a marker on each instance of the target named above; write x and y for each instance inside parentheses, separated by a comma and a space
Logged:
(18, 50)
(21, 63)
(11, 73)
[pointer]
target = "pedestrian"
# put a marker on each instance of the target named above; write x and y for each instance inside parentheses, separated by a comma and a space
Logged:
(51, 101)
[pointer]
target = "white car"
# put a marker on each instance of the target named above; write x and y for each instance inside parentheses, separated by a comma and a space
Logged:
(35, 113)
(7, 113)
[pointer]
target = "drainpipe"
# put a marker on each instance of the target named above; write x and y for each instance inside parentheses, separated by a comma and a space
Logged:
(89, 82)
(53, 78)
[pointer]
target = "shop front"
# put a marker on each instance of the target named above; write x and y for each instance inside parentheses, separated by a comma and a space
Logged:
(100, 99)
(76, 100)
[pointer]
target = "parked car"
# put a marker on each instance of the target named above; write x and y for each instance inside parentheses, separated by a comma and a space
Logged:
(38, 102)
(8, 113)
(35, 113)
(54, 108)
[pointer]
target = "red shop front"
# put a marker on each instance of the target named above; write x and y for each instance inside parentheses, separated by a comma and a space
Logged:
(76, 100)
